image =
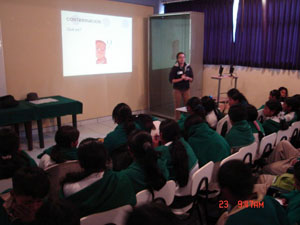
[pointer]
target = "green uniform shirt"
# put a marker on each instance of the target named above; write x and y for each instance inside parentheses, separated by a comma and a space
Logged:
(271, 214)
(136, 174)
(165, 151)
(112, 191)
(182, 119)
(254, 129)
(207, 144)
(240, 135)
(69, 153)
(271, 126)
(293, 209)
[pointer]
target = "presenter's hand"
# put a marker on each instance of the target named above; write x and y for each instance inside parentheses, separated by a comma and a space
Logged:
(184, 77)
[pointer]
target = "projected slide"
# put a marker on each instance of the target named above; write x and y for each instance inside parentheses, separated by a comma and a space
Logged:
(95, 44)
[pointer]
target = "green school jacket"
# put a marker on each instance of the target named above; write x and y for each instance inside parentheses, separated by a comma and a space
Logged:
(4, 218)
(112, 191)
(293, 209)
(136, 174)
(262, 107)
(69, 153)
(271, 214)
(240, 135)
(271, 126)
(207, 144)
(182, 119)
(254, 129)
(165, 151)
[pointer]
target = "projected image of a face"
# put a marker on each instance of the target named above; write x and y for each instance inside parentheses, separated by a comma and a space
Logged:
(100, 52)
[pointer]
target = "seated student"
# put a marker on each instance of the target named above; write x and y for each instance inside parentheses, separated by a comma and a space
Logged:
(207, 144)
(66, 139)
(57, 213)
(275, 122)
(256, 126)
(290, 107)
(181, 160)
(148, 170)
(283, 93)
(236, 97)
(96, 189)
(240, 134)
(213, 114)
(237, 183)
(274, 95)
(193, 106)
(122, 115)
(11, 159)
(292, 199)
(20, 205)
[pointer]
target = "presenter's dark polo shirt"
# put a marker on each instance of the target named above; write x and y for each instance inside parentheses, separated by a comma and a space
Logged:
(177, 72)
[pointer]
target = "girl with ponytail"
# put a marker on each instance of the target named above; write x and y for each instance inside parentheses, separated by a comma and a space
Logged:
(212, 113)
(181, 159)
(276, 120)
(66, 139)
(148, 170)
(122, 115)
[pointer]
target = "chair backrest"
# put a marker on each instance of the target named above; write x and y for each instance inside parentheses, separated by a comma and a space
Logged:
(222, 123)
(116, 216)
(260, 116)
(238, 155)
(249, 152)
(58, 172)
(5, 184)
(204, 173)
(167, 193)
(283, 135)
(265, 143)
(295, 129)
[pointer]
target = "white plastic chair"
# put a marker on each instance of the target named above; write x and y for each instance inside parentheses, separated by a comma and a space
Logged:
(167, 193)
(283, 135)
(265, 143)
(238, 155)
(5, 184)
(116, 216)
(249, 153)
(221, 123)
(295, 128)
(200, 180)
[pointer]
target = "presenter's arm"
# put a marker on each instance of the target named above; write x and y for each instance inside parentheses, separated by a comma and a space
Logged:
(172, 76)
(190, 75)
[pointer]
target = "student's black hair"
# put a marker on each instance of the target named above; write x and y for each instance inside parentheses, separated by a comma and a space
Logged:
(178, 54)
(209, 105)
(297, 171)
(122, 114)
(195, 104)
(286, 90)
(191, 121)
(58, 212)
(275, 93)
(275, 105)
(237, 177)
(32, 182)
(152, 213)
(146, 122)
(92, 157)
(232, 91)
(293, 103)
(252, 113)
(240, 98)
(237, 113)
(140, 144)
(171, 132)
(10, 158)
(64, 137)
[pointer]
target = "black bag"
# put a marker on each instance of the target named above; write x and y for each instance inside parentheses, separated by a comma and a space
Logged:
(8, 101)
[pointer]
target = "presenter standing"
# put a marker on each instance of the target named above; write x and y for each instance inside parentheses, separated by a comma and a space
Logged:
(180, 76)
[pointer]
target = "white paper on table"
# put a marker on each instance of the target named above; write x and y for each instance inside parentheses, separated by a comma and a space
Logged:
(44, 100)
(182, 109)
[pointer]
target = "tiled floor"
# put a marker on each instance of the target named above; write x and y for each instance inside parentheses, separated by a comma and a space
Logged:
(95, 129)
